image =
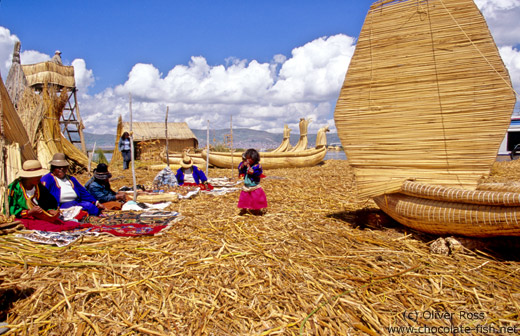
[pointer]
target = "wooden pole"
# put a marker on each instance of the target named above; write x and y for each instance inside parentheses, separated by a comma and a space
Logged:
(232, 150)
(207, 150)
(90, 157)
(80, 125)
(166, 137)
(4, 181)
(132, 150)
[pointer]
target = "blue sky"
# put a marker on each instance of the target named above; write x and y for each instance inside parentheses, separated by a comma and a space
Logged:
(112, 36)
(266, 63)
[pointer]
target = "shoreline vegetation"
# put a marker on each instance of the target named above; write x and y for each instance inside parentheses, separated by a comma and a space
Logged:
(319, 262)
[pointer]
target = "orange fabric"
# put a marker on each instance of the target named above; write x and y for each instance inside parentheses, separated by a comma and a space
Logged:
(113, 205)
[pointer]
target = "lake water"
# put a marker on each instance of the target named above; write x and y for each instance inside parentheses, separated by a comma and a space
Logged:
(335, 155)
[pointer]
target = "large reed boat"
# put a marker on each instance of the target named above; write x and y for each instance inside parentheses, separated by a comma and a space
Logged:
(425, 104)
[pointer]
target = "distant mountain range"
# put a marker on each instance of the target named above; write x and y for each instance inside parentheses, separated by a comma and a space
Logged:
(242, 138)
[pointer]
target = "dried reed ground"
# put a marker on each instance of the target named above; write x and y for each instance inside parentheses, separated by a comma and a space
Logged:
(318, 263)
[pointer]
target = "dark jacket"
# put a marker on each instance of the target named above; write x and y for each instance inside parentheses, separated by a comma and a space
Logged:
(103, 193)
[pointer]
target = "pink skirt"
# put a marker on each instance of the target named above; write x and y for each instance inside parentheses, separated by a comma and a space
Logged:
(252, 199)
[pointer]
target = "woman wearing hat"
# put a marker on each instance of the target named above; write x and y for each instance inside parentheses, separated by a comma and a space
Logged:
(32, 203)
(189, 174)
(66, 188)
(99, 187)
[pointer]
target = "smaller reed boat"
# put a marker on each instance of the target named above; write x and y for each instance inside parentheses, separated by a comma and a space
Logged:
(270, 160)
(176, 158)
(284, 156)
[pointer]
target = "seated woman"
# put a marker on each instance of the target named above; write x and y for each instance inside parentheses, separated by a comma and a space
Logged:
(32, 203)
(190, 175)
(99, 187)
(66, 189)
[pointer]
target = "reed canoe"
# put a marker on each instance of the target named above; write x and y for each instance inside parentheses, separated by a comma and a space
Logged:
(270, 160)
(176, 158)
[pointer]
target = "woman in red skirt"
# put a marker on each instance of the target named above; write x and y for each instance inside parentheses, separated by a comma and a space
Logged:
(252, 198)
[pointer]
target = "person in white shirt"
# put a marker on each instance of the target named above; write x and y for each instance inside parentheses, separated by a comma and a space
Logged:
(66, 188)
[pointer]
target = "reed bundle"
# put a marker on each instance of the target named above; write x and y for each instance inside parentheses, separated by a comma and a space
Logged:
(320, 262)
(426, 96)
(31, 110)
(16, 83)
(116, 154)
(13, 127)
(40, 114)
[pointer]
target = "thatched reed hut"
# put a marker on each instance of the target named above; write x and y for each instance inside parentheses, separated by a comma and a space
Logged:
(45, 98)
(39, 74)
(150, 138)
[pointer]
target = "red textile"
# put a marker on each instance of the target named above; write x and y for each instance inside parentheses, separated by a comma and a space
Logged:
(201, 186)
(255, 199)
(82, 214)
(41, 225)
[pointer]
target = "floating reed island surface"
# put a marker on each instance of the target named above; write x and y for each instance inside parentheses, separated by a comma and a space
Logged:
(319, 262)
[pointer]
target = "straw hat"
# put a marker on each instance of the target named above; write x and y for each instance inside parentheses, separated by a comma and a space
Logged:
(186, 162)
(101, 172)
(31, 168)
(58, 160)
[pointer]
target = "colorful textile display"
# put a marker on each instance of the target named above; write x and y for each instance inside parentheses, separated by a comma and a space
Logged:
(59, 239)
(157, 217)
(128, 224)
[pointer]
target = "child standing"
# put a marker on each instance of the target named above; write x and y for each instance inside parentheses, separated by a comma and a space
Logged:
(252, 196)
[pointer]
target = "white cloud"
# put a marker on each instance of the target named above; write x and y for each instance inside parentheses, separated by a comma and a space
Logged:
(502, 19)
(7, 41)
(316, 70)
(33, 56)
(84, 77)
(257, 95)
(492, 8)
(511, 58)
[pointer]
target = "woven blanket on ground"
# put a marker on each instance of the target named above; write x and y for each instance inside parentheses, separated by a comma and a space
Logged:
(59, 239)
(224, 182)
(220, 191)
(190, 194)
(128, 224)
(157, 217)
(140, 206)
